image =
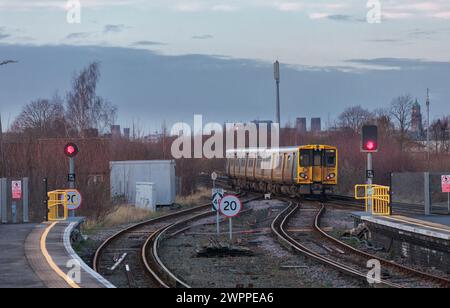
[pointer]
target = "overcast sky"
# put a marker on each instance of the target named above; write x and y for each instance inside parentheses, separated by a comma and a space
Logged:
(327, 37)
(314, 32)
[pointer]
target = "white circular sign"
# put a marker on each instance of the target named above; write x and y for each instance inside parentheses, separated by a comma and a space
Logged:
(214, 176)
(230, 206)
(74, 199)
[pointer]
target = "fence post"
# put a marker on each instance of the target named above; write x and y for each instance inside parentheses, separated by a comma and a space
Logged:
(427, 194)
(45, 198)
(4, 200)
(25, 202)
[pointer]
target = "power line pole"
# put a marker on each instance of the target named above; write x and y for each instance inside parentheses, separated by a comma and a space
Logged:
(277, 79)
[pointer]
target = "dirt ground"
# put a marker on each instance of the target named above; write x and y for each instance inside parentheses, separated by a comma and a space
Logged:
(270, 266)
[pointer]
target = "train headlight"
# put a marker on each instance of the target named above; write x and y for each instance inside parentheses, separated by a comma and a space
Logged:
(331, 176)
(303, 176)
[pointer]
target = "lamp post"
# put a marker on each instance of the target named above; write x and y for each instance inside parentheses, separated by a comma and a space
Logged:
(277, 79)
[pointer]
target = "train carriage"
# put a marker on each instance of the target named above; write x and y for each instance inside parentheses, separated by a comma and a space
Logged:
(302, 170)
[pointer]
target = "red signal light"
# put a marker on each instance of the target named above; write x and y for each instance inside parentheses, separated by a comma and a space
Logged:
(370, 146)
(71, 150)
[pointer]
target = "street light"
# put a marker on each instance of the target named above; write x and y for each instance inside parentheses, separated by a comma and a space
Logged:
(277, 79)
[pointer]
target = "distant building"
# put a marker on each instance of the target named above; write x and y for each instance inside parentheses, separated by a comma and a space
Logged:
(126, 133)
(115, 131)
(316, 125)
(416, 121)
(300, 125)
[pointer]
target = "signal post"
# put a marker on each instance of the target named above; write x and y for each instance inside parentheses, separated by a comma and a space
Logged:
(369, 145)
(71, 151)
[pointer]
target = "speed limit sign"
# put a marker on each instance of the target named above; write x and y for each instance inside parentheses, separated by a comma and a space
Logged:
(230, 206)
(74, 199)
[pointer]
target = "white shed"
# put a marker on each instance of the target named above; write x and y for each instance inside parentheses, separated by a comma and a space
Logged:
(125, 175)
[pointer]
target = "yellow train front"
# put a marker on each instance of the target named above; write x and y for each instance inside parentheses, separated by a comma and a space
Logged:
(302, 170)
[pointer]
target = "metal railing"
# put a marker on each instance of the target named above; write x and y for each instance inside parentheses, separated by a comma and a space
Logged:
(377, 198)
(58, 205)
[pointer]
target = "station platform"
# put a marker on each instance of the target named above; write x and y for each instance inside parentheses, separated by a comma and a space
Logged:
(421, 239)
(41, 256)
(434, 226)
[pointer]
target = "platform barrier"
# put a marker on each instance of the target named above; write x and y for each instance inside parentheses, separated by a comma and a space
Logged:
(58, 205)
(376, 196)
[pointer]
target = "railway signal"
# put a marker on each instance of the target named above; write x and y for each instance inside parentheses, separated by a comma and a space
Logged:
(369, 138)
(71, 151)
(369, 145)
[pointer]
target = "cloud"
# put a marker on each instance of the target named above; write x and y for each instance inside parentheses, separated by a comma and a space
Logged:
(203, 37)
(113, 28)
(148, 43)
(3, 34)
(77, 35)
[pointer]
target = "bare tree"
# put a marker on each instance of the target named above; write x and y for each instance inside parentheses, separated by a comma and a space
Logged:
(401, 111)
(354, 118)
(41, 116)
(85, 110)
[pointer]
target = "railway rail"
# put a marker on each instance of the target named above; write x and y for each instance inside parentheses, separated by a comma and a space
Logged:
(324, 248)
(410, 273)
(130, 241)
(140, 243)
(279, 228)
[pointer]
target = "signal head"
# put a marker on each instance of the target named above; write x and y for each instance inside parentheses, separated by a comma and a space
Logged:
(71, 150)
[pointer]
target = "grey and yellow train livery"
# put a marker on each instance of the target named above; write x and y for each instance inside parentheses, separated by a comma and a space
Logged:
(302, 170)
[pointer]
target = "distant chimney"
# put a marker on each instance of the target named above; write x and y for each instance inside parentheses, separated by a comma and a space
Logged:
(301, 125)
(115, 131)
(126, 133)
(316, 125)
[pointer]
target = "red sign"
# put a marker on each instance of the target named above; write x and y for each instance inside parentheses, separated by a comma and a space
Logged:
(16, 190)
(446, 183)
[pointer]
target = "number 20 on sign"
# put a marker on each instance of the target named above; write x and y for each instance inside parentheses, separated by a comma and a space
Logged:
(230, 206)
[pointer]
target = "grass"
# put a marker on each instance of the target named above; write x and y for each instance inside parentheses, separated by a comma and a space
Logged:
(126, 214)
(202, 196)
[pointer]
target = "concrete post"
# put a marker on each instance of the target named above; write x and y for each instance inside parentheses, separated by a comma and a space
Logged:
(4, 200)
(427, 195)
(25, 202)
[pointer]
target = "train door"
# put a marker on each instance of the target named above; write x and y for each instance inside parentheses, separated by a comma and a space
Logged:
(317, 166)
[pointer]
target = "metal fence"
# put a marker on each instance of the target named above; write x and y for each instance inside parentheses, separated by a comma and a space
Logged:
(14, 200)
(420, 189)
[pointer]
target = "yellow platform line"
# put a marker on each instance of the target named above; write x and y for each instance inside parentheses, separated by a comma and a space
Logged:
(50, 261)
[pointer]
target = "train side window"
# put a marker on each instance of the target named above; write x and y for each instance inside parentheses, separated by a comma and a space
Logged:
(330, 158)
(305, 158)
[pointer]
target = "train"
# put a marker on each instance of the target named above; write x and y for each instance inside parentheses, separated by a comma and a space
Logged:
(295, 171)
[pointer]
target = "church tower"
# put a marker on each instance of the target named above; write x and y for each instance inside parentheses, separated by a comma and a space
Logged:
(416, 121)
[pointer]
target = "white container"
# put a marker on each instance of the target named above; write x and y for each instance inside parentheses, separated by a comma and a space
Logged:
(146, 196)
(125, 175)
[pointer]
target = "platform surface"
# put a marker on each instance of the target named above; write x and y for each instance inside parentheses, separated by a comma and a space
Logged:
(437, 226)
(41, 256)
(15, 271)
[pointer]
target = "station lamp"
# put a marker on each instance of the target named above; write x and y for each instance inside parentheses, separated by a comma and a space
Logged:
(71, 150)
(369, 138)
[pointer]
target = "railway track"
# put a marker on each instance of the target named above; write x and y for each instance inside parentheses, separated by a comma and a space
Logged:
(130, 241)
(279, 228)
(410, 276)
(136, 247)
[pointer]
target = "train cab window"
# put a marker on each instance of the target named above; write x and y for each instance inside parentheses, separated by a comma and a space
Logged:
(305, 158)
(330, 158)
